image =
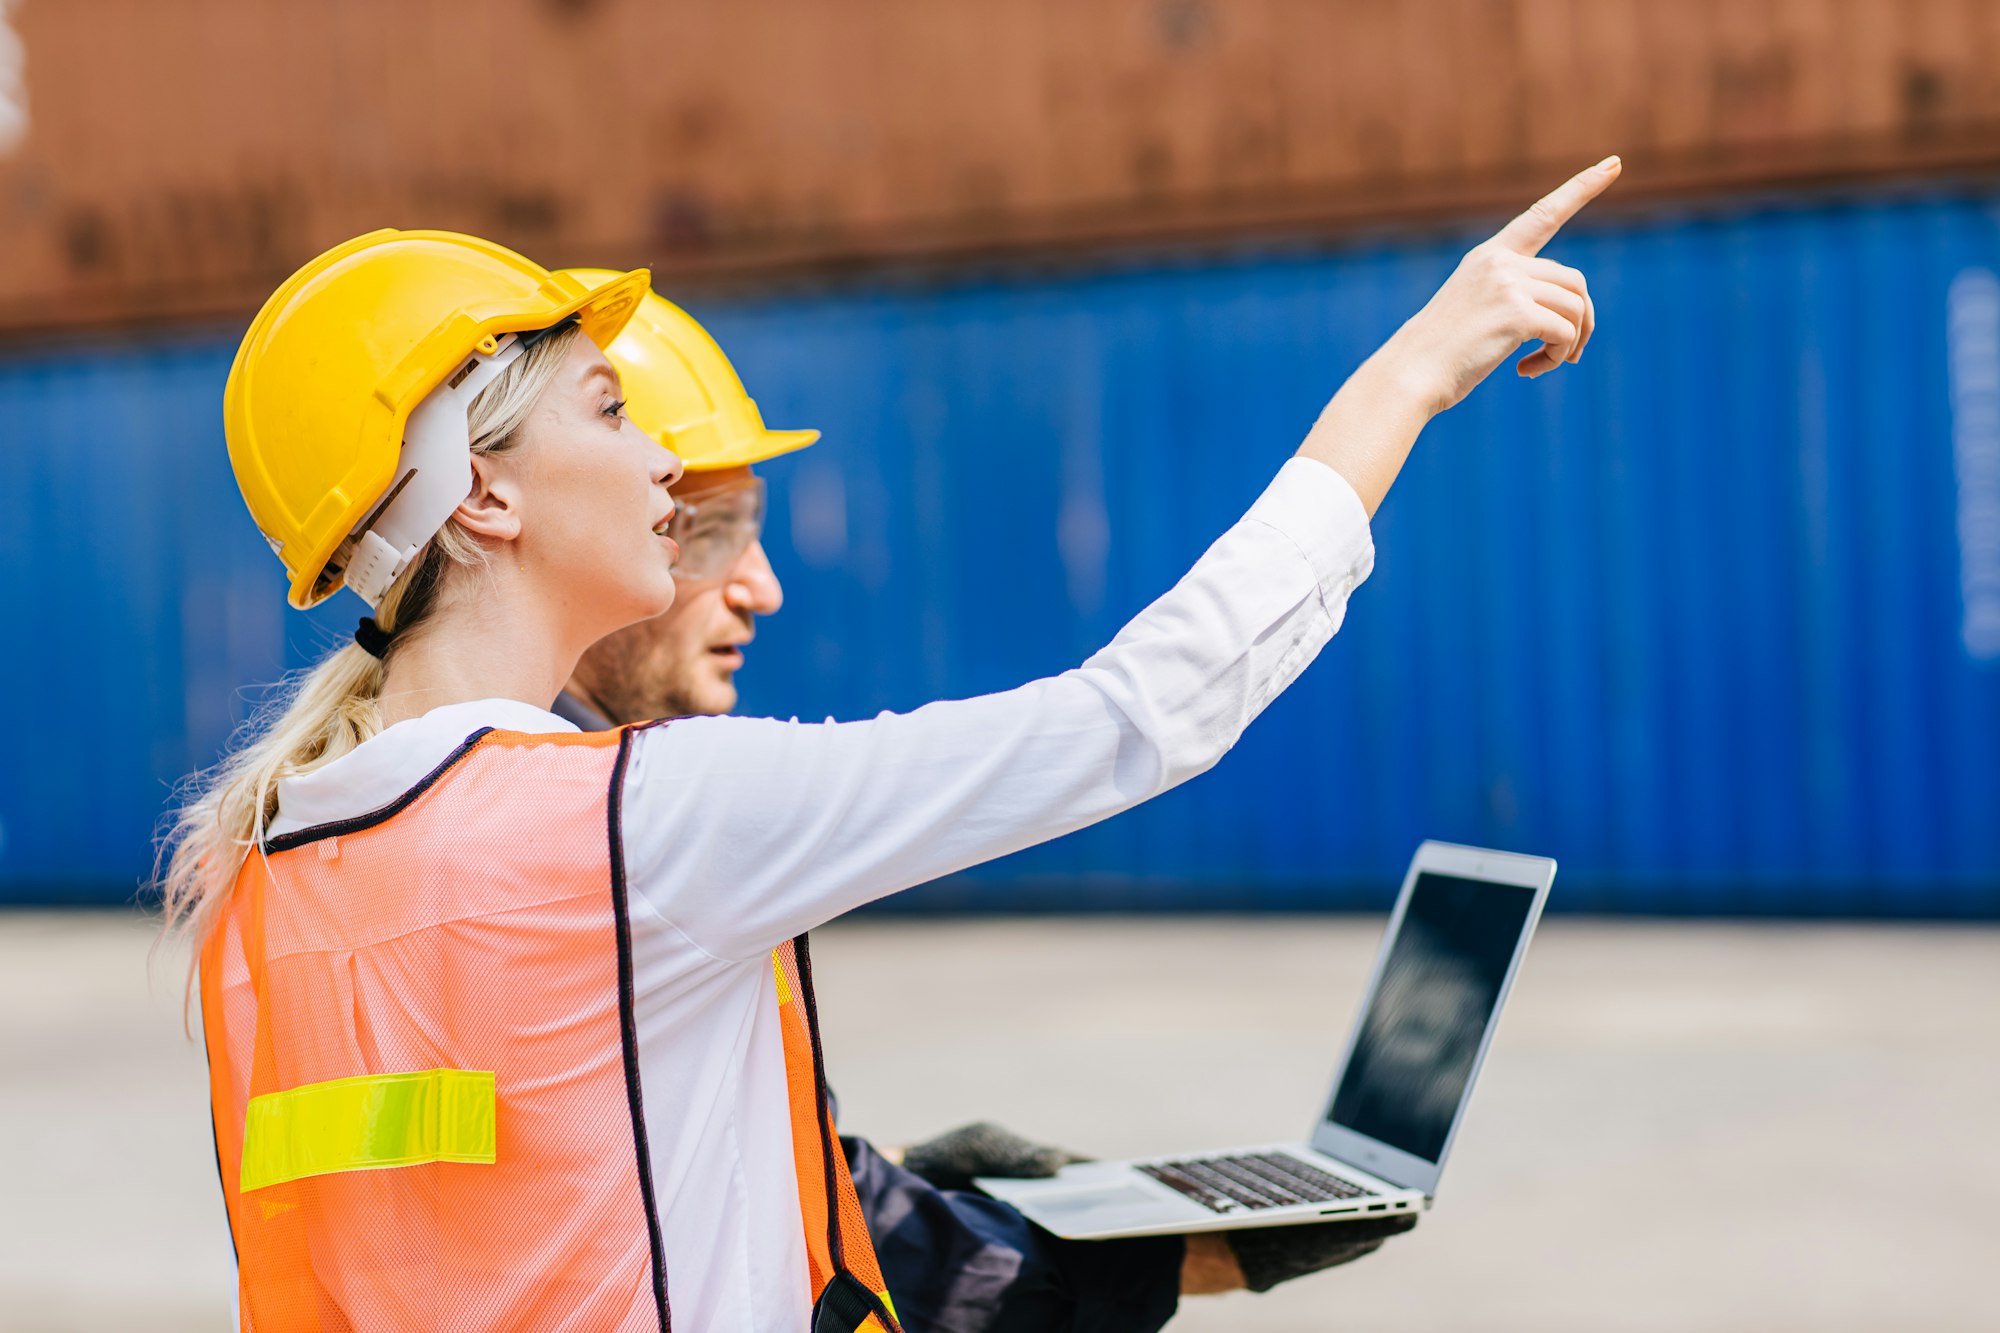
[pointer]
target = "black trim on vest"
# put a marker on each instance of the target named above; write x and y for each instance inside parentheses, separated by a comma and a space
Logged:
(215, 1142)
(628, 1028)
(846, 1303)
(286, 842)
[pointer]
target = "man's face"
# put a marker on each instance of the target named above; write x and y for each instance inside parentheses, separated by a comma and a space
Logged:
(684, 663)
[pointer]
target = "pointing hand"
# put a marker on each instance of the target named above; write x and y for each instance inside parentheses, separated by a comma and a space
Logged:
(1503, 294)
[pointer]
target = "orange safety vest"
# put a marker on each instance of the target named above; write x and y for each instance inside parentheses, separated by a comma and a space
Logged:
(423, 1067)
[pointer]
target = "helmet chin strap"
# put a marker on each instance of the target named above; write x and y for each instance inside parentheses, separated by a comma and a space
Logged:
(433, 474)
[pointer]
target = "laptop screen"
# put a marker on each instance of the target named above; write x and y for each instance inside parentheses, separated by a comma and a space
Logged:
(1439, 988)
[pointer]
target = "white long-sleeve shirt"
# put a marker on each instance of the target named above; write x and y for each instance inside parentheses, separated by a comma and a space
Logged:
(740, 833)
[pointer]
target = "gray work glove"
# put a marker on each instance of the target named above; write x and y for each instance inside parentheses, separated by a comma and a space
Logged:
(1270, 1255)
(952, 1159)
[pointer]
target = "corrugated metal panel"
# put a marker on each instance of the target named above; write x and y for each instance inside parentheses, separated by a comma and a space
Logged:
(135, 604)
(180, 159)
(1692, 617)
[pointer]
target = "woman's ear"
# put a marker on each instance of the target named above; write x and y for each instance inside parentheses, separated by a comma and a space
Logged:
(492, 509)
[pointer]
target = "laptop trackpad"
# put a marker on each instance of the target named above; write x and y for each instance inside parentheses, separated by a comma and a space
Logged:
(1073, 1212)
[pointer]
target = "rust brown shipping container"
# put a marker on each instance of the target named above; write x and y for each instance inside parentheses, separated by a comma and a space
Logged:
(173, 160)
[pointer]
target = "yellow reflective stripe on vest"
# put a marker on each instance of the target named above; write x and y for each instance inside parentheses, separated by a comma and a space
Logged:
(365, 1123)
(784, 987)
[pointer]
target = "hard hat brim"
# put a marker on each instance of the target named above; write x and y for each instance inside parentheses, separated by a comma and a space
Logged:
(684, 392)
(771, 444)
(605, 311)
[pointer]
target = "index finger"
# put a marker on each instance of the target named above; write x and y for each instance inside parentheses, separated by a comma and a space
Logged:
(1528, 233)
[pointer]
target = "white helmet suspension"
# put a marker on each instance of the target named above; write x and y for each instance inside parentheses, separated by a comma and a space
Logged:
(433, 473)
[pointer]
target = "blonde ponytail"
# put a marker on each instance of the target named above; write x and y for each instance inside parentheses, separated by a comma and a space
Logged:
(325, 712)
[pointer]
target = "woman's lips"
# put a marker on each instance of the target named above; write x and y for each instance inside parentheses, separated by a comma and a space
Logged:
(673, 548)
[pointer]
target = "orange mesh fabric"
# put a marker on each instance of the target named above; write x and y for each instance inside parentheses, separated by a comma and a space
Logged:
(814, 1146)
(455, 933)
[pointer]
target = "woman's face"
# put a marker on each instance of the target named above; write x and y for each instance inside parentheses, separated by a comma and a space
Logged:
(592, 489)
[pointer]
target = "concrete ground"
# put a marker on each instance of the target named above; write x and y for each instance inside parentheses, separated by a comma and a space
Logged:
(1681, 1126)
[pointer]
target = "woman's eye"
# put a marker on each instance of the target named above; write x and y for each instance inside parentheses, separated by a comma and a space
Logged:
(616, 409)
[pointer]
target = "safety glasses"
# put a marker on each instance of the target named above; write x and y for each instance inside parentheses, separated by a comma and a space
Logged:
(716, 528)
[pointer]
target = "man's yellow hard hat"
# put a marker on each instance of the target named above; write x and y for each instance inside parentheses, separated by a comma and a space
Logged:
(681, 390)
(325, 380)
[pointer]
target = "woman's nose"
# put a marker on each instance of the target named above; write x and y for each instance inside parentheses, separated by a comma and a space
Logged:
(668, 470)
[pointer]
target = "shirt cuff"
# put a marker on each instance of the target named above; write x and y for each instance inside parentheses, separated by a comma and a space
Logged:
(1318, 512)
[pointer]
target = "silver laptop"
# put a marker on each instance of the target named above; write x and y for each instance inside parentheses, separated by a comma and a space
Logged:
(1454, 942)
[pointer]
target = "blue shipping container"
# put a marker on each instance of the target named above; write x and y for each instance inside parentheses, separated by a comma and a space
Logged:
(1713, 617)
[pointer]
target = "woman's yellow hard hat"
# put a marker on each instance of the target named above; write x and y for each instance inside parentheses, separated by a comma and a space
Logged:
(325, 380)
(681, 390)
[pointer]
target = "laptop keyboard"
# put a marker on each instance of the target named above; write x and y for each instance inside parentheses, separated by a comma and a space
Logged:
(1252, 1181)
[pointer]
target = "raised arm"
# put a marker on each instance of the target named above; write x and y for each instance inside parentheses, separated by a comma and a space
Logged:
(744, 832)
